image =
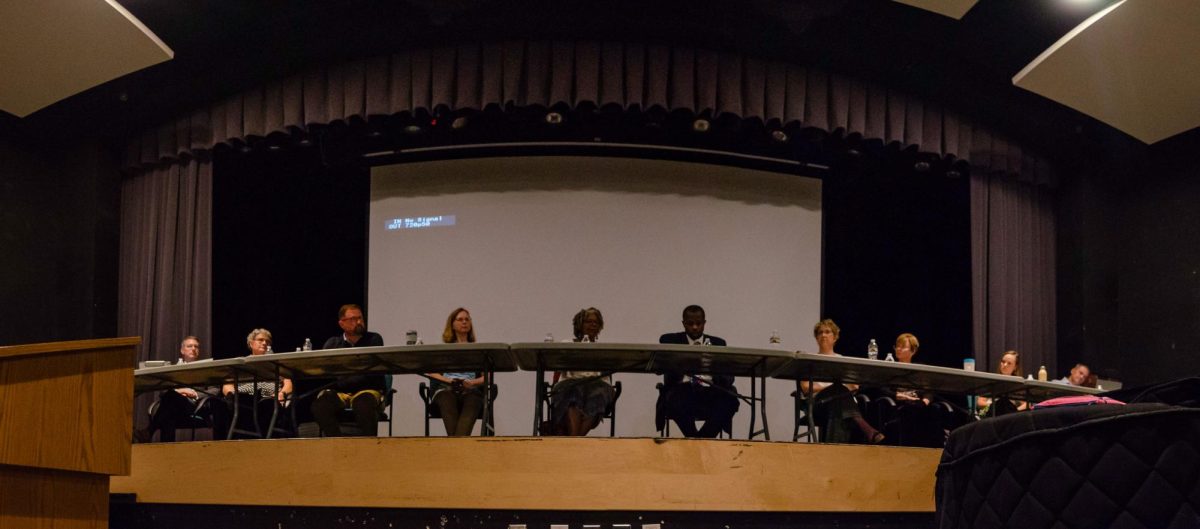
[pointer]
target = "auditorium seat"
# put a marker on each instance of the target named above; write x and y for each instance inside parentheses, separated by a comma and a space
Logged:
(1103, 465)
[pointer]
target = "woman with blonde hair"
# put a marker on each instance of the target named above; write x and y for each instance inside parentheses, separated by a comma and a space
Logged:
(915, 421)
(836, 408)
(458, 396)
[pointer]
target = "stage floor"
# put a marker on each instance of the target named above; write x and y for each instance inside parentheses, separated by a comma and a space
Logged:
(536, 473)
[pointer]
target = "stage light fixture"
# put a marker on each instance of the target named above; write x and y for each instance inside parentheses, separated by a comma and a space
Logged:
(701, 125)
(958, 169)
(554, 118)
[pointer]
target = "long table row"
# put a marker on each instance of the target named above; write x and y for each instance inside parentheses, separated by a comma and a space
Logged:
(489, 358)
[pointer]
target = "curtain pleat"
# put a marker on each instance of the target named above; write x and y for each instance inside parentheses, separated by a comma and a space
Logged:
(775, 89)
(252, 115)
(421, 70)
(857, 101)
(816, 105)
(682, 81)
(754, 89)
(797, 95)
(466, 79)
(441, 78)
(729, 87)
(839, 103)
(562, 74)
(537, 75)
(612, 63)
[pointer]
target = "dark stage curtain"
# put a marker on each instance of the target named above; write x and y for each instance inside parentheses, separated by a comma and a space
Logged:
(165, 290)
(541, 73)
(1013, 227)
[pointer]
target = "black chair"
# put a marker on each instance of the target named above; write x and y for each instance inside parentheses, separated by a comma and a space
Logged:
(432, 411)
(190, 423)
(281, 422)
(610, 414)
(346, 416)
(662, 422)
(800, 414)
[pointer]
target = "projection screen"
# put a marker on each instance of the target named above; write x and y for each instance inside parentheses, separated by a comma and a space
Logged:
(525, 242)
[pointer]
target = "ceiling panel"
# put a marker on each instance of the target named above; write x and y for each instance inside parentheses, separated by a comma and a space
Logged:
(53, 49)
(1134, 66)
(952, 8)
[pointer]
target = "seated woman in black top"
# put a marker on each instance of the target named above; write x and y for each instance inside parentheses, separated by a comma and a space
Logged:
(580, 398)
(459, 396)
(836, 410)
(916, 421)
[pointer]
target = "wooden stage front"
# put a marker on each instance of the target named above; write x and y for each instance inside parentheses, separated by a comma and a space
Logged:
(536, 474)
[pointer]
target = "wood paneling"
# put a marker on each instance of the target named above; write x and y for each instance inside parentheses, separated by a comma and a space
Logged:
(68, 406)
(39, 498)
(10, 351)
(66, 417)
(537, 473)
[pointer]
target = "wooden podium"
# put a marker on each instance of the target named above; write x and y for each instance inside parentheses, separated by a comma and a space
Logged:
(66, 418)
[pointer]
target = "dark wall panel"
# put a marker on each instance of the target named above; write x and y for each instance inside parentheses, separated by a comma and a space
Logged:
(58, 241)
(1129, 263)
(1159, 244)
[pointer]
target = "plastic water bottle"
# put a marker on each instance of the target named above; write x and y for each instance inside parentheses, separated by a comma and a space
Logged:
(872, 350)
(775, 340)
(1042, 374)
(269, 350)
(307, 344)
(586, 338)
(549, 337)
(889, 358)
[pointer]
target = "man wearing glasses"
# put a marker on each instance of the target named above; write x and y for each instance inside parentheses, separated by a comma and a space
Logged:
(361, 393)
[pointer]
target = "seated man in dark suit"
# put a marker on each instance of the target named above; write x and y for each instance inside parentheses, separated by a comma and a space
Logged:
(177, 407)
(361, 393)
(687, 399)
